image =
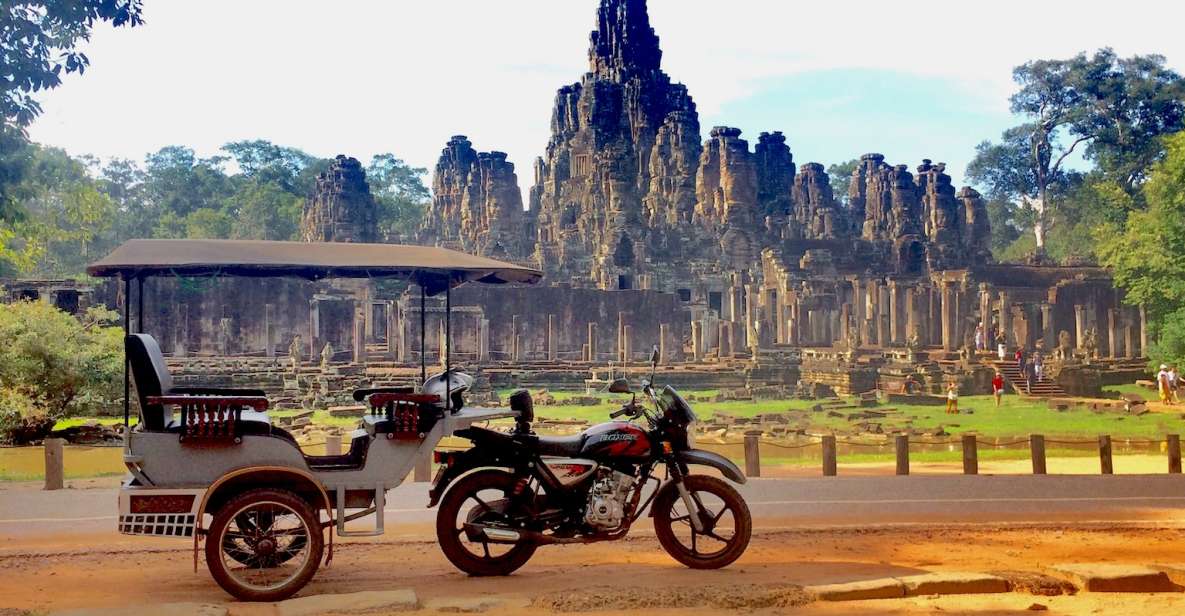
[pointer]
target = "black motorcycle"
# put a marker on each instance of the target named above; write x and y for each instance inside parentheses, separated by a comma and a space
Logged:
(516, 491)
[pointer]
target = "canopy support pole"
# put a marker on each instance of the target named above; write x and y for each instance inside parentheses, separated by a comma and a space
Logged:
(423, 335)
(139, 305)
(127, 330)
(448, 345)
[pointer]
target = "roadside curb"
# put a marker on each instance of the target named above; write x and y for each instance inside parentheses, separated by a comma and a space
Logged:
(936, 583)
(355, 602)
(1109, 577)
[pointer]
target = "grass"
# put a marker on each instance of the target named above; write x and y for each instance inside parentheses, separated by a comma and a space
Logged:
(1015, 417)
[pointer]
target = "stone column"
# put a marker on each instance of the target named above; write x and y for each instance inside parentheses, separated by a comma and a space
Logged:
(368, 318)
(1006, 317)
(1143, 332)
(845, 316)
(483, 340)
(1112, 334)
(735, 305)
(592, 341)
(393, 331)
(314, 329)
(441, 343)
(780, 320)
(1047, 327)
(1079, 325)
(269, 330)
(985, 315)
(949, 342)
(551, 341)
(359, 338)
(936, 325)
(895, 335)
(860, 306)
(181, 342)
(515, 341)
(697, 340)
(911, 312)
(725, 340)
(1129, 335)
(627, 342)
(664, 334)
(884, 319)
(621, 337)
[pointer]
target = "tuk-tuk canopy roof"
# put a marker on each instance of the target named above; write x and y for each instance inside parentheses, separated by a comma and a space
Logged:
(431, 267)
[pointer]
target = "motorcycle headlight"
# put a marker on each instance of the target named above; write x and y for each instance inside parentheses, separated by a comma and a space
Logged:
(691, 435)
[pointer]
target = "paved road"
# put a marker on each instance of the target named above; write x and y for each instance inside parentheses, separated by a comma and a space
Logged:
(776, 503)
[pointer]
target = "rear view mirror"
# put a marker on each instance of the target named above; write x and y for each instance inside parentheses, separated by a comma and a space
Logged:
(619, 386)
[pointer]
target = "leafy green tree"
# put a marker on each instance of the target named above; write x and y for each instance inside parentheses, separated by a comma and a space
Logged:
(1114, 109)
(841, 179)
(400, 192)
(39, 40)
(1147, 253)
(54, 365)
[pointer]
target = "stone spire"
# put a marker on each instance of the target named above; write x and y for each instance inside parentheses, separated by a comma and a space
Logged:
(623, 44)
(341, 208)
(476, 203)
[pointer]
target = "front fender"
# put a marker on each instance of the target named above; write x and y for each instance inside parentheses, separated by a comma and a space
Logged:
(714, 460)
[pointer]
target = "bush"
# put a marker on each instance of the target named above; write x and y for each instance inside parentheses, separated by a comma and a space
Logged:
(1170, 348)
(53, 365)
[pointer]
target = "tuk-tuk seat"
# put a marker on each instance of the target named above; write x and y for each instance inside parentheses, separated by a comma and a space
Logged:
(157, 395)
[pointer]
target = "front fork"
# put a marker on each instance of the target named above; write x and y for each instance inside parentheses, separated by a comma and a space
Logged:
(695, 508)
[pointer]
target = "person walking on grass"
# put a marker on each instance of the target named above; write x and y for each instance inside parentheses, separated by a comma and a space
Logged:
(1174, 383)
(1163, 385)
(952, 399)
(998, 387)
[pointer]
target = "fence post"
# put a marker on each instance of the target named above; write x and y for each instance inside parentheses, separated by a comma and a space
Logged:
(1037, 450)
(54, 468)
(1174, 447)
(1105, 455)
(753, 453)
(902, 442)
(970, 455)
(829, 461)
(423, 470)
(333, 445)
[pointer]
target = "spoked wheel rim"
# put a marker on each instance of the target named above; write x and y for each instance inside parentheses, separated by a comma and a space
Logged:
(483, 508)
(265, 545)
(721, 525)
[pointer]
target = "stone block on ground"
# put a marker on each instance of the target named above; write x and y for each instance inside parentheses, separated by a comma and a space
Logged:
(1109, 577)
(474, 605)
(953, 583)
(354, 410)
(883, 588)
(350, 603)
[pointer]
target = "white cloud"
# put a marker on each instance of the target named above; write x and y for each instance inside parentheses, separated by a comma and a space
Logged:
(362, 77)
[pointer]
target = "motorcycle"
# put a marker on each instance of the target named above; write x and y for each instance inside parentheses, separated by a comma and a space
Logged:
(512, 492)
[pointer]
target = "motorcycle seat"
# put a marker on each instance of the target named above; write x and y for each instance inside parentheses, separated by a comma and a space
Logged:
(561, 446)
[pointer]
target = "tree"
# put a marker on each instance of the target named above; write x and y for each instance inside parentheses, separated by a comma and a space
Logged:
(1114, 109)
(1147, 252)
(400, 193)
(53, 365)
(841, 179)
(39, 40)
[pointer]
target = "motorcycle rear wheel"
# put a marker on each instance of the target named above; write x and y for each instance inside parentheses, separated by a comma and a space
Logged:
(728, 524)
(488, 493)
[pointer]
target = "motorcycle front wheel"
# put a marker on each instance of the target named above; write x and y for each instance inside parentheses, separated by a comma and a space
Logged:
(481, 499)
(725, 529)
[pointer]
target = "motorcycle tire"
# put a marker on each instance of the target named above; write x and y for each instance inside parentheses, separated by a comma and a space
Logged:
(664, 529)
(449, 536)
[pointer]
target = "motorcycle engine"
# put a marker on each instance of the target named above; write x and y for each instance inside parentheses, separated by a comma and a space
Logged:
(607, 498)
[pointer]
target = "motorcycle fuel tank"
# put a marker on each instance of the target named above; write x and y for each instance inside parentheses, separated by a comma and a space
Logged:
(616, 439)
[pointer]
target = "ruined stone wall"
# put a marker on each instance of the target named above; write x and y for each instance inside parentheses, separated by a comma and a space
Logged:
(341, 208)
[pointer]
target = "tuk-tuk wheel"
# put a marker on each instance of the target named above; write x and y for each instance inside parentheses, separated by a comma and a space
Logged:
(264, 545)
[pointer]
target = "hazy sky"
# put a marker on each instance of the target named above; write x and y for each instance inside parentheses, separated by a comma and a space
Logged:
(909, 80)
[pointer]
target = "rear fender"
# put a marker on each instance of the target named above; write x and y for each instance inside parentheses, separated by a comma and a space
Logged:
(460, 463)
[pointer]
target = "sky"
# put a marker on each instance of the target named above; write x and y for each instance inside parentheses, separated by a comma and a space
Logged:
(362, 77)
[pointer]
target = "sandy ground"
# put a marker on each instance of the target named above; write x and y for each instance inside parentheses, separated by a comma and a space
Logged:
(112, 571)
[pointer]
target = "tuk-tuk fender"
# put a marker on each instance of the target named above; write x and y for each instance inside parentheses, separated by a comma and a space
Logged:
(253, 477)
(714, 460)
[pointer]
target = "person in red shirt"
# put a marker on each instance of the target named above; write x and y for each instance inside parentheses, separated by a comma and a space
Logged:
(998, 387)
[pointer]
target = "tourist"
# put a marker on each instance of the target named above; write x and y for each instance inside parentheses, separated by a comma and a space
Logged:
(1039, 366)
(952, 399)
(1001, 346)
(1020, 359)
(979, 342)
(1174, 383)
(910, 385)
(998, 387)
(1162, 384)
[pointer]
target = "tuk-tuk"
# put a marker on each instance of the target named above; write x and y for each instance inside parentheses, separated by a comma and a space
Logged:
(208, 462)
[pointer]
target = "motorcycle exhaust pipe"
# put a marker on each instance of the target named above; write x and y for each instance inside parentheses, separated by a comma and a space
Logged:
(477, 532)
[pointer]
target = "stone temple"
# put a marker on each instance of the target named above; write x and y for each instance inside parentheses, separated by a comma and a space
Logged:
(743, 267)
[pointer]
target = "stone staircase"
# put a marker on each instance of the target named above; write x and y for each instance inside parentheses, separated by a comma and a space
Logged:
(1041, 389)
